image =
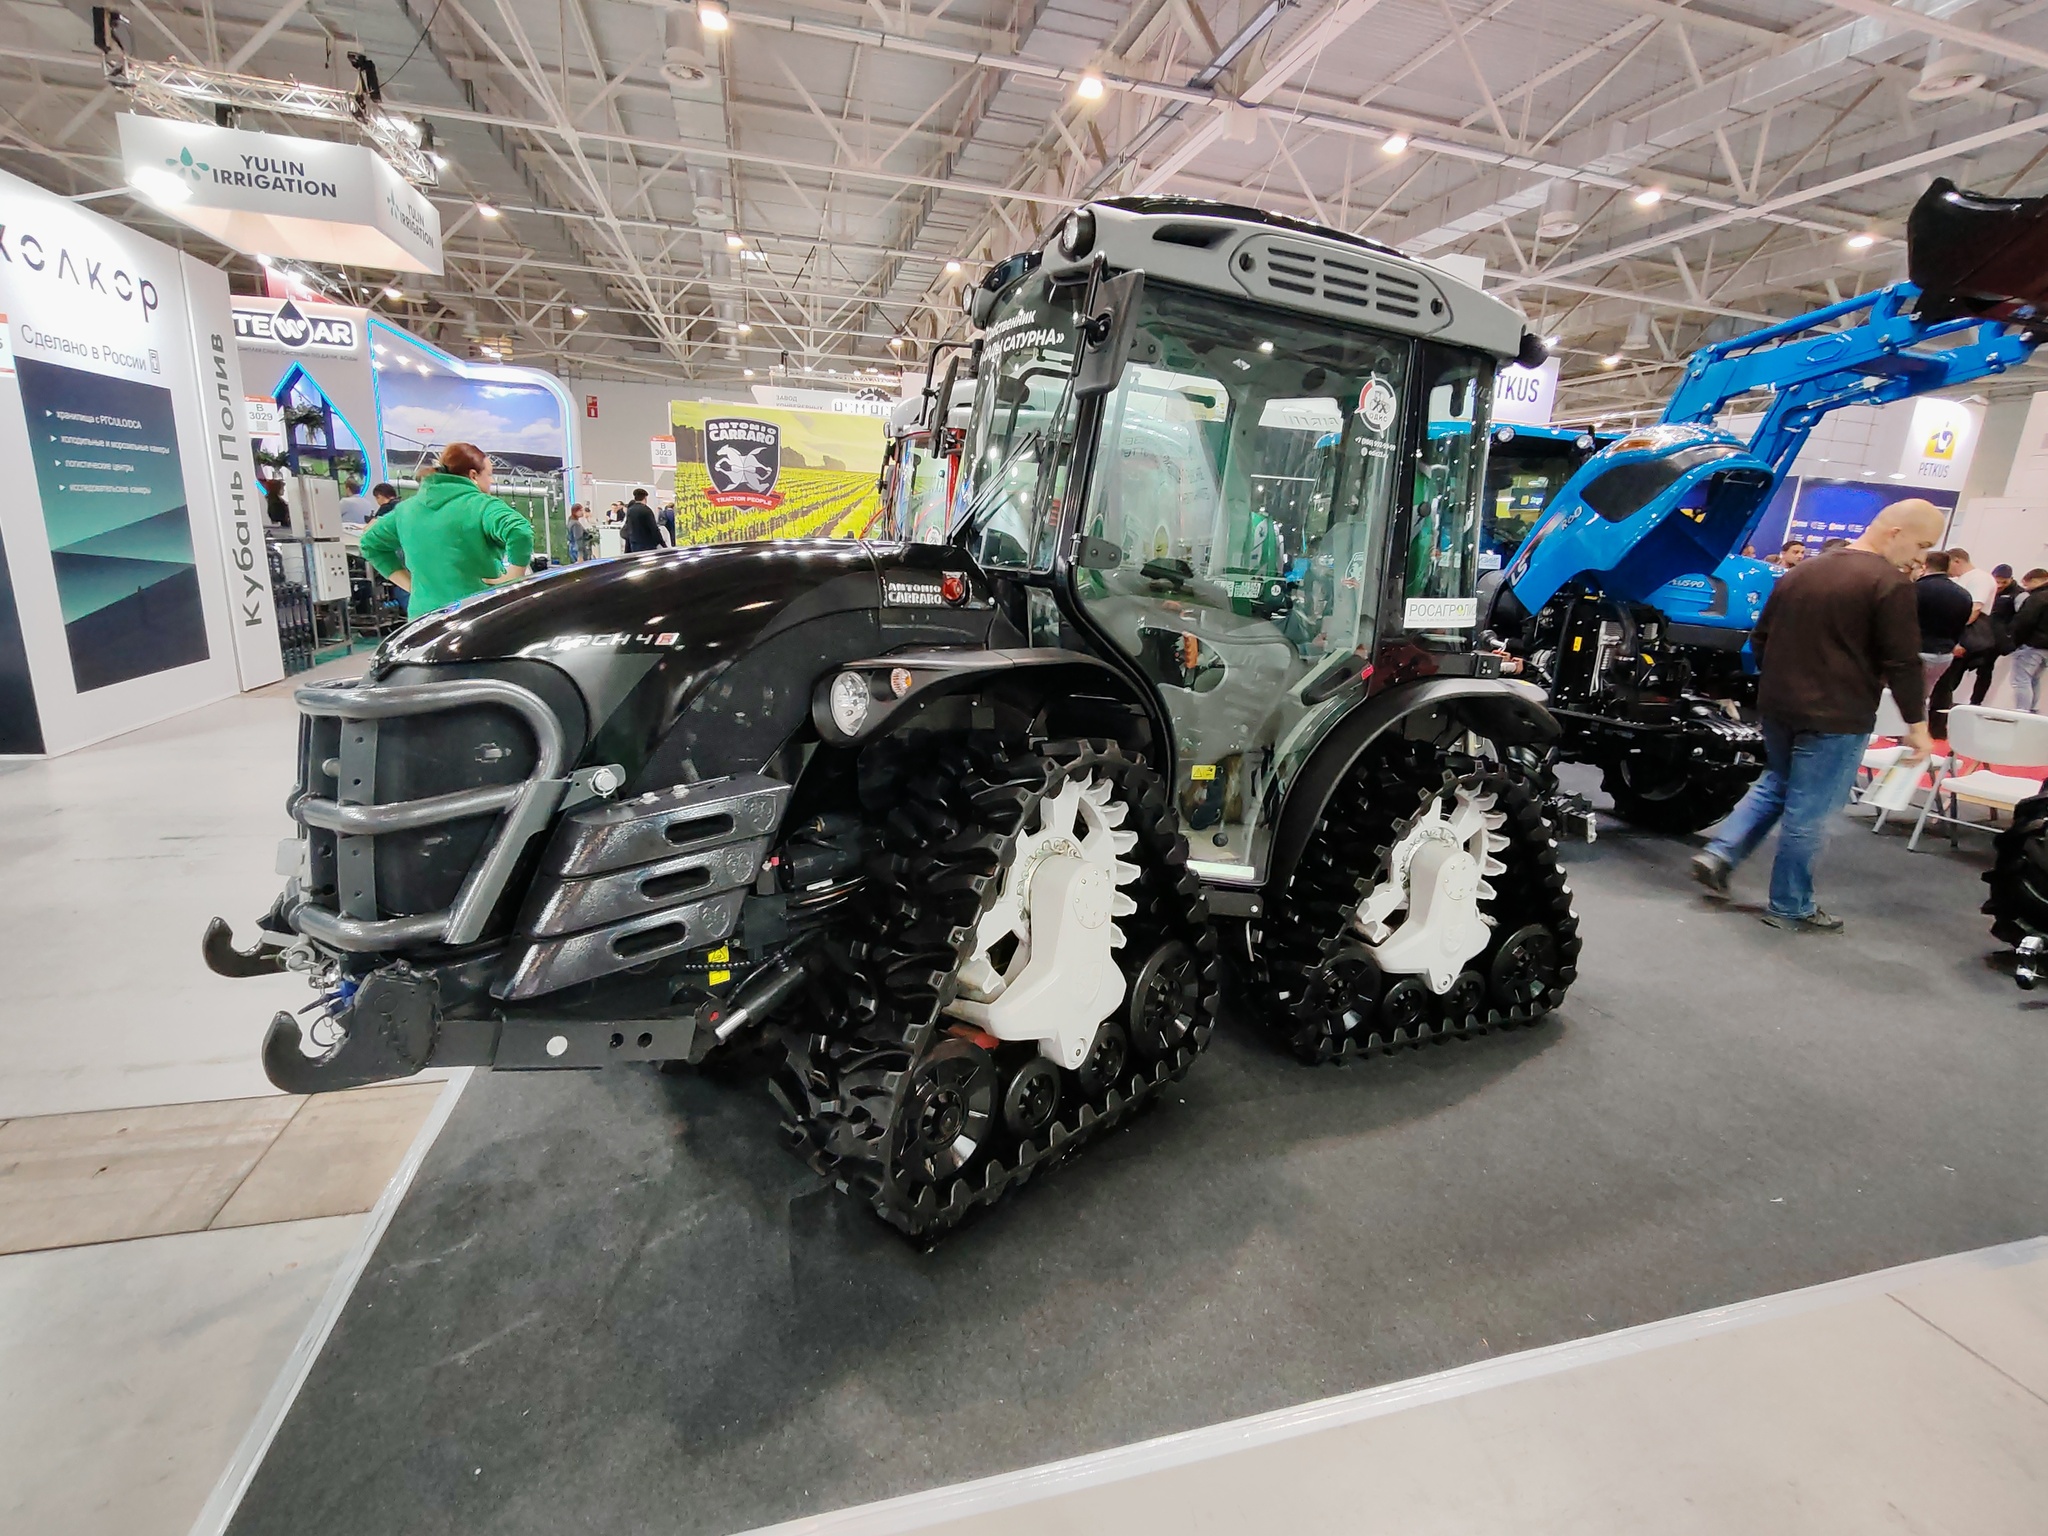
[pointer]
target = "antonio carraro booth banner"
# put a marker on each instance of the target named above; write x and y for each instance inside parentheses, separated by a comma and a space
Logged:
(268, 195)
(135, 582)
(754, 472)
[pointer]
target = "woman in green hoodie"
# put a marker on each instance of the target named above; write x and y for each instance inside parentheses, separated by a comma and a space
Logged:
(451, 538)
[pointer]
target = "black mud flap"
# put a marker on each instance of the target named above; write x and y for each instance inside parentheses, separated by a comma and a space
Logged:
(1975, 255)
(388, 1028)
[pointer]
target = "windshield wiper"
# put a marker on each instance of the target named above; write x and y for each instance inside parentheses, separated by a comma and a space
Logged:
(990, 497)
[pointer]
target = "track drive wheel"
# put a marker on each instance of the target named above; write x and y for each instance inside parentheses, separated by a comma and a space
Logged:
(1333, 967)
(1037, 963)
(2018, 901)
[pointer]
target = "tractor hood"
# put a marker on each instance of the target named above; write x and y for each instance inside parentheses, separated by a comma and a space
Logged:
(712, 599)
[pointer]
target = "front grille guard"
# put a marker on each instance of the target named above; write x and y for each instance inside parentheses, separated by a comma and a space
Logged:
(525, 809)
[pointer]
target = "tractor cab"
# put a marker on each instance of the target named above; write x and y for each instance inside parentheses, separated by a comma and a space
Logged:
(1266, 500)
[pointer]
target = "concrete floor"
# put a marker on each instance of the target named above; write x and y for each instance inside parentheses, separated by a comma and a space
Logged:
(612, 1304)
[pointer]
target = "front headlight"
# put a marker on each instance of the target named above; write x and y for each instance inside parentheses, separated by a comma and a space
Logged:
(850, 701)
(1077, 235)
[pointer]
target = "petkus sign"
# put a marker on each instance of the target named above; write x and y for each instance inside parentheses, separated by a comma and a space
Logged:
(265, 194)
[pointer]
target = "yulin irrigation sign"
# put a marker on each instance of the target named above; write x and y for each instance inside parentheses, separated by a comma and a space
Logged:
(266, 194)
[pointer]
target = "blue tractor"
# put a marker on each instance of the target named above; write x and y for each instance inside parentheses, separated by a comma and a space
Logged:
(1627, 600)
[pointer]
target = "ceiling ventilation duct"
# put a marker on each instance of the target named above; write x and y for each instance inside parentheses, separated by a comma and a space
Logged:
(1560, 211)
(1952, 69)
(694, 70)
(1637, 338)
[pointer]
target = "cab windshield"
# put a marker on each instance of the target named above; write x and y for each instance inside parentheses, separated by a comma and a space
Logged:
(1237, 535)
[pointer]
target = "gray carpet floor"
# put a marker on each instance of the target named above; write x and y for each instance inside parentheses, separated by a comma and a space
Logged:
(612, 1304)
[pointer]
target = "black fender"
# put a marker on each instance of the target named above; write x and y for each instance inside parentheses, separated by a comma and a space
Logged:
(902, 685)
(1501, 710)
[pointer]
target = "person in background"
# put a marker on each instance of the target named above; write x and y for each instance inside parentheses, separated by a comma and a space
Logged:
(1945, 610)
(1982, 642)
(1835, 633)
(2029, 641)
(1749, 551)
(668, 524)
(385, 495)
(1834, 544)
(1793, 552)
(643, 532)
(579, 547)
(452, 538)
(356, 508)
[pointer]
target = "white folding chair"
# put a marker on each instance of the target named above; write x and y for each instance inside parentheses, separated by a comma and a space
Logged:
(2010, 738)
(1885, 749)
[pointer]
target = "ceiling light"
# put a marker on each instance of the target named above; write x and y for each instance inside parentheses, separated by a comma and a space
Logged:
(748, 372)
(1862, 242)
(577, 311)
(746, 329)
(487, 210)
(713, 16)
(1394, 144)
(1551, 342)
(164, 188)
(734, 239)
(1265, 346)
(440, 160)
(1649, 197)
(1611, 360)
(263, 261)
(895, 342)
(394, 294)
(952, 269)
(1089, 87)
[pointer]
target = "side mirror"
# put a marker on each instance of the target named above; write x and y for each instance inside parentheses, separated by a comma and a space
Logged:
(1534, 354)
(1106, 335)
(944, 404)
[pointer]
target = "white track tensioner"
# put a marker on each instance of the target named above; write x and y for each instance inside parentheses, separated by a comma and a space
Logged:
(1059, 901)
(1436, 872)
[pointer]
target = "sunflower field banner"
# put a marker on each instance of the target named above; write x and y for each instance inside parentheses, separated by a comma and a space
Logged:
(756, 472)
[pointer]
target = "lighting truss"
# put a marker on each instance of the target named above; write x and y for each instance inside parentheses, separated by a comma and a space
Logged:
(194, 94)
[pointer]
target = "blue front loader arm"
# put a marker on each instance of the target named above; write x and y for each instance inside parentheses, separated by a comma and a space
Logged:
(1679, 498)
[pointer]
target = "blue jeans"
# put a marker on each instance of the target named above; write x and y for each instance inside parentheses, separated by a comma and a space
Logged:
(2027, 662)
(1807, 779)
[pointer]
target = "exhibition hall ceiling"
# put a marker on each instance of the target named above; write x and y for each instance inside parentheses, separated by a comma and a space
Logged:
(801, 187)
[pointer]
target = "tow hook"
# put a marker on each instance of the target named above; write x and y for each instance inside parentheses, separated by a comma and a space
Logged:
(387, 1027)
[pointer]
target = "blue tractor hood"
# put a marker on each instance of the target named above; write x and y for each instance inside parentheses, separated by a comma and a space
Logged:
(1664, 502)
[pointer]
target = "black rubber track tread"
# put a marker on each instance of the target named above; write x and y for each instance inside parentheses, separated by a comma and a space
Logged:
(2018, 877)
(1307, 926)
(1708, 798)
(849, 1081)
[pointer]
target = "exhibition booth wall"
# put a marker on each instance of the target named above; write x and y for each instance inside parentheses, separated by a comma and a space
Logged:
(133, 582)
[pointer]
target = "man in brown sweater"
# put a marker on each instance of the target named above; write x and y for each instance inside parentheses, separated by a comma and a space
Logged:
(1836, 633)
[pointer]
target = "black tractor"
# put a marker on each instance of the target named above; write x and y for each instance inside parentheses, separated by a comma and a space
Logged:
(970, 831)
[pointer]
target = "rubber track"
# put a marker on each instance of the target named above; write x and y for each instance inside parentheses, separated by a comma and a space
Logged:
(2018, 877)
(949, 835)
(1372, 807)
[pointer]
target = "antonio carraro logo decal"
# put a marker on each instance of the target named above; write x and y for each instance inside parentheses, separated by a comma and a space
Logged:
(743, 458)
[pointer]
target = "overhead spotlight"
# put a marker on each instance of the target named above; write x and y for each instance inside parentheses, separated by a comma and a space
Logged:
(713, 15)
(164, 188)
(1394, 144)
(734, 239)
(895, 343)
(1550, 342)
(1265, 346)
(577, 311)
(1611, 360)
(487, 210)
(1637, 338)
(440, 160)
(747, 373)
(745, 329)
(394, 294)
(952, 269)
(1861, 242)
(1649, 197)
(1089, 87)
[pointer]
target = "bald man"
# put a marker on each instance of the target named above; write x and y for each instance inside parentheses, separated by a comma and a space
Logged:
(1838, 630)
